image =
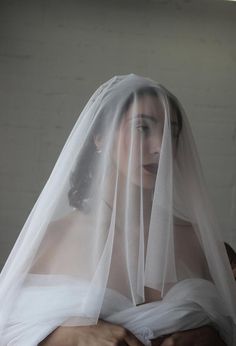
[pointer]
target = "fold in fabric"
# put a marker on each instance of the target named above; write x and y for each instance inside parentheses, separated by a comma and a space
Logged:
(191, 303)
(124, 219)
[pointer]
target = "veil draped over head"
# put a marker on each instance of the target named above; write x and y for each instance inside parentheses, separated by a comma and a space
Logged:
(124, 219)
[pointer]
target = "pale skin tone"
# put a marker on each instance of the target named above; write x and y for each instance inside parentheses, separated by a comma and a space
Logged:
(146, 125)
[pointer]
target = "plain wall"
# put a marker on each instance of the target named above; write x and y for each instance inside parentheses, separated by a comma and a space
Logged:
(54, 54)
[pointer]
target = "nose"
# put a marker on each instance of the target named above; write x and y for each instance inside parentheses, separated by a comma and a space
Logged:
(155, 144)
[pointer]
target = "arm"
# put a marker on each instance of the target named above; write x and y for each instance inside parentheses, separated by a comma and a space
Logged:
(204, 336)
(103, 333)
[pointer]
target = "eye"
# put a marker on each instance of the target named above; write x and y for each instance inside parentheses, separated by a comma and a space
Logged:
(143, 129)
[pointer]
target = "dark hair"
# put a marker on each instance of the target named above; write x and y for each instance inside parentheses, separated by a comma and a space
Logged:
(81, 177)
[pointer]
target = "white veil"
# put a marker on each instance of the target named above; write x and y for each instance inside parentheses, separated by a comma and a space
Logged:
(124, 214)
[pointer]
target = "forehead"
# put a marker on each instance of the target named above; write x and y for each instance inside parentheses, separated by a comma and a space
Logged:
(146, 105)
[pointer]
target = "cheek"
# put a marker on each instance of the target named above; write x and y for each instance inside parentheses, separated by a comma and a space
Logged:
(126, 148)
(120, 149)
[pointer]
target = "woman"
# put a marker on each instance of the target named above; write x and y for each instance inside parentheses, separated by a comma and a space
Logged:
(138, 244)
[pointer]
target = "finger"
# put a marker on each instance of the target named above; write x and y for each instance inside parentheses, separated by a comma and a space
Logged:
(169, 342)
(157, 342)
(132, 340)
(107, 342)
(122, 343)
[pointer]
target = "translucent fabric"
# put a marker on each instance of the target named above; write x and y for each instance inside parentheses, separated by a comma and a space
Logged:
(125, 210)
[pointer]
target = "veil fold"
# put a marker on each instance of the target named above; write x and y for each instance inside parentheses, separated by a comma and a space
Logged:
(123, 219)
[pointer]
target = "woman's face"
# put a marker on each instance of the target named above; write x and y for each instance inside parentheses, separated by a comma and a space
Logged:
(138, 141)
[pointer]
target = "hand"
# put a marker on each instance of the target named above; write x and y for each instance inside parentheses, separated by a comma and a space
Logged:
(101, 334)
(204, 336)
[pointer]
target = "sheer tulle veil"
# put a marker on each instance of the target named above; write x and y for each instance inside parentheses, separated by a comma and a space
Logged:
(125, 210)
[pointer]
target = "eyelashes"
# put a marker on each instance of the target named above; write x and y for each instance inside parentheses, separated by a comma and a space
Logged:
(143, 129)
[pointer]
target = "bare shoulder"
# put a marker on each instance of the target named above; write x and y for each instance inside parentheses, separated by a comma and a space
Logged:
(189, 247)
(179, 222)
(63, 236)
(186, 230)
(67, 222)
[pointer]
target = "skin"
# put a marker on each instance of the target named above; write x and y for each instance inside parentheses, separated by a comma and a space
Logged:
(204, 336)
(106, 334)
(138, 141)
(102, 334)
(146, 133)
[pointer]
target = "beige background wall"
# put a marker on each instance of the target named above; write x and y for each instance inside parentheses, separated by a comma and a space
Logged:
(54, 54)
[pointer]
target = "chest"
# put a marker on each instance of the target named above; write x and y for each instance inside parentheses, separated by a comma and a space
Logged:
(120, 278)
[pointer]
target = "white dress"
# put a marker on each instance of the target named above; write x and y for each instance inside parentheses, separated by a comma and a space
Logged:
(191, 303)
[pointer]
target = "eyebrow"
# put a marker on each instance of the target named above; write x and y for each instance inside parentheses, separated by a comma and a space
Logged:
(146, 116)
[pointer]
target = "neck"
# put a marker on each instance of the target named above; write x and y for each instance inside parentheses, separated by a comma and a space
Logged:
(128, 205)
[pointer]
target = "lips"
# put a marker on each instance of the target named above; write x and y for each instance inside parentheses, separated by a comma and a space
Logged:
(151, 168)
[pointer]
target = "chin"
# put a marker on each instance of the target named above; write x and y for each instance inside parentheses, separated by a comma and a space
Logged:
(148, 183)
(149, 180)
(149, 186)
